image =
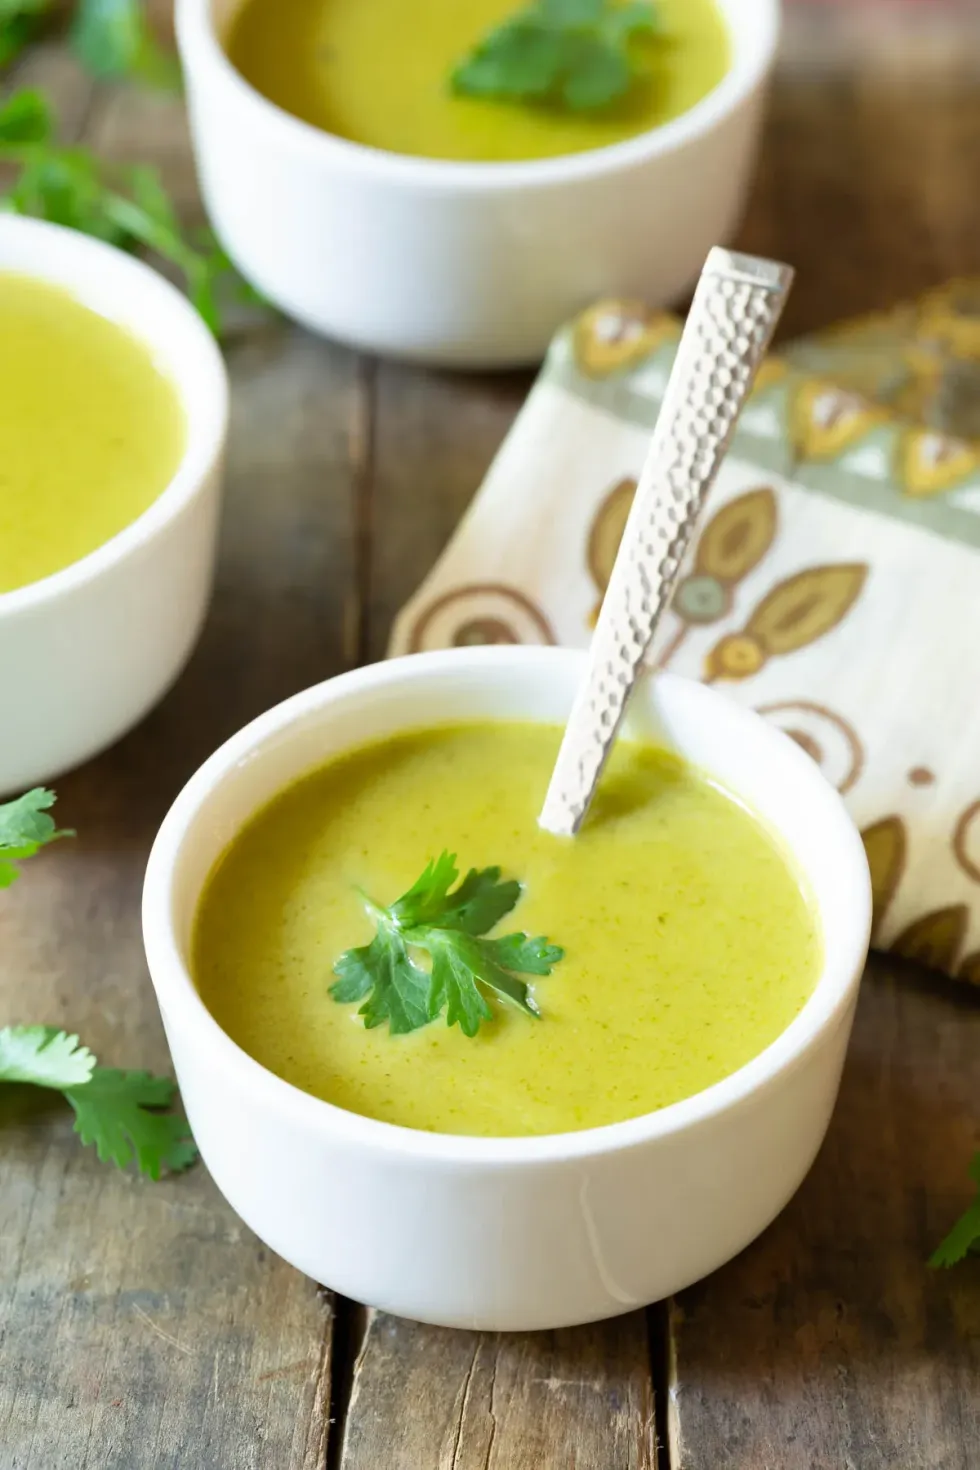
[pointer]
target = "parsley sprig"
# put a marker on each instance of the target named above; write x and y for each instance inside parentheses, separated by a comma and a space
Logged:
(126, 206)
(964, 1238)
(25, 827)
(577, 54)
(126, 1115)
(448, 926)
(112, 38)
(19, 20)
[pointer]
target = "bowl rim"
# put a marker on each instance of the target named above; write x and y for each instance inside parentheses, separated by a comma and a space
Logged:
(754, 45)
(207, 416)
(181, 1005)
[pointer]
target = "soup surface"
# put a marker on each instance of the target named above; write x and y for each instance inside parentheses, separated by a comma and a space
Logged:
(689, 945)
(377, 72)
(90, 431)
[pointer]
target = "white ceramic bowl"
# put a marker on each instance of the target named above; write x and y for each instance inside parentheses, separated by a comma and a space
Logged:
(507, 1233)
(456, 263)
(86, 652)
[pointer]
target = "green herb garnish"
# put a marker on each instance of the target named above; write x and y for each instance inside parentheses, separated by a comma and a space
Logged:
(566, 53)
(19, 20)
(24, 828)
(112, 38)
(125, 206)
(964, 1238)
(448, 928)
(122, 1113)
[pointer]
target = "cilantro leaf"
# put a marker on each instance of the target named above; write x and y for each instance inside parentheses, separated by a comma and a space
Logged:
(964, 1238)
(479, 902)
(122, 1113)
(18, 26)
(126, 206)
(24, 828)
(43, 1056)
(578, 54)
(447, 926)
(25, 118)
(397, 990)
(113, 38)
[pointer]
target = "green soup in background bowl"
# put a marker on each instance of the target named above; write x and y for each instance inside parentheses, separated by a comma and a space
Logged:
(371, 72)
(477, 257)
(112, 426)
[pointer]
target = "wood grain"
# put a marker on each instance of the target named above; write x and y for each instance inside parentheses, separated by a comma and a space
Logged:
(427, 1399)
(433, 438)
(830, 1344)
(866, 172)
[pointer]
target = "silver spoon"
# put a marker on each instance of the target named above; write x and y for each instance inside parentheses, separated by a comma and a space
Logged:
(738, 301)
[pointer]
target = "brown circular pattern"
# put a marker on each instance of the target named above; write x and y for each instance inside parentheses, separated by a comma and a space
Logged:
(483, 631)
(921, 776)
(806, 742)
(511, 622)
(809, 742)
(961, 838)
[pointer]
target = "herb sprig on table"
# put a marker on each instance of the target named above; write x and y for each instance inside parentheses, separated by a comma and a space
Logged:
(112, 38)
(126, 1115)
(126, 206)
(964, 1238)
(577, 54)
(449, 927)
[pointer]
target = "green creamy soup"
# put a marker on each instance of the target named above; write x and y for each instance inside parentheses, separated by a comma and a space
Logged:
(689, 944)
(90, 431)
(377, 72)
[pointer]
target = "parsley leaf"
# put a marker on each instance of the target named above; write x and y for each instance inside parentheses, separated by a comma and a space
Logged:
(122, 1113)
(447, 925)
(18, 26)
(126, 206)
(577, 54)
(964, 1238)
(112, 38)
(24, 828)
(43, 1056)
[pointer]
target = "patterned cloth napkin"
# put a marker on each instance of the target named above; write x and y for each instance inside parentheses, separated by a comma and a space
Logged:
(834, 586)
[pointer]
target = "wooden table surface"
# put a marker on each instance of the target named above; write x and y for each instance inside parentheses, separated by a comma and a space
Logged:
(141, 1325)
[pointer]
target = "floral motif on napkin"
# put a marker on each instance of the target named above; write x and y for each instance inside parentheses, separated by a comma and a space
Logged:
(830, 587)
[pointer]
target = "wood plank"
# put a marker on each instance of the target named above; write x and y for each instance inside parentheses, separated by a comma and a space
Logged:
(428, 1399)
(863, 181)
(141, 1325)
(433, 439)
(830, 1343)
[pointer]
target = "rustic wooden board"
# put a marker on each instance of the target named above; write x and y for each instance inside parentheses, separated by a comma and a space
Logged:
(427, 1399)
(829, 1344)
(434, 436)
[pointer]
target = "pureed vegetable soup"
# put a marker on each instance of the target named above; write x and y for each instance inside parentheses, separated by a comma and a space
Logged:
(688, 943)
(378, 72)
(90, 431)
